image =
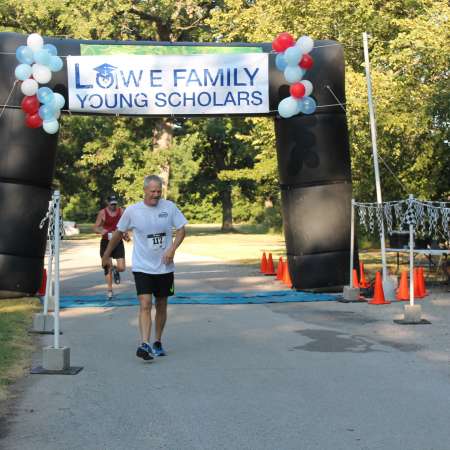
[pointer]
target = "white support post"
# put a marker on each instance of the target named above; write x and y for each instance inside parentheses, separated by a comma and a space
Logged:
(411, 265)
(56, 237)
(48, 284)
(411, 262)
(373, 132)
(350, 293)
(352, 240)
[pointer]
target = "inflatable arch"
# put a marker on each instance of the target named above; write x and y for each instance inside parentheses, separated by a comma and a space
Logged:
(313, 164)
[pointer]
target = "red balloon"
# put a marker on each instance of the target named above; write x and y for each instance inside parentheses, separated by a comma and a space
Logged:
(306, 62)
(297, 90)
(33, 120)
(277, 46)
(286, 40)
(30, 104)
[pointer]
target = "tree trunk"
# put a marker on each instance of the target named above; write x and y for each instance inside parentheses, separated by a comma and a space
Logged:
(227, 209)
(162, 140)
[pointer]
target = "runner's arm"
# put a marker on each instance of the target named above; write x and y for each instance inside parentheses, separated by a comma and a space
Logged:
(170, 252)
(98, 225)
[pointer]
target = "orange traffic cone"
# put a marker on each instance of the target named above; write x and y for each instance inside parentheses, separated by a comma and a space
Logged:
(422, 287)
(378, 295)
(286, 275)
(263, 268)
(403, 290)
(418, 293)
(41, 291)
(269, 269)
(280, 269)
(355, 279)
(363, 282)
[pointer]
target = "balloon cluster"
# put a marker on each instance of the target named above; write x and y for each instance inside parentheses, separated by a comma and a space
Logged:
(41, 105)
(293, 59)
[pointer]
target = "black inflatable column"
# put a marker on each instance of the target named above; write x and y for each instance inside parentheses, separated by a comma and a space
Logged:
(27, 160)
(315, 179)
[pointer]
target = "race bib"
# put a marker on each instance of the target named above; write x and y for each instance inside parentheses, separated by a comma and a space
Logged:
(156, 241)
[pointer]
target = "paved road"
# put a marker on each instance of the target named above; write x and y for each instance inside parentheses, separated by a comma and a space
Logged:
(325, 376)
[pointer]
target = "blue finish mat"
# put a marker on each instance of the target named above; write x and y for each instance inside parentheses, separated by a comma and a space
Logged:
(201, 298)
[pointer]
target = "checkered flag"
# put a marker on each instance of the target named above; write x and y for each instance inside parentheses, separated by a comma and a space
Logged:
(410, 215)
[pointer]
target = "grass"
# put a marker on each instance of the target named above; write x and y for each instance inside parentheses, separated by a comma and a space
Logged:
(15, 343)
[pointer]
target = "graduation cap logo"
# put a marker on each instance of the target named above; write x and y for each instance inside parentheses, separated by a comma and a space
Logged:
(105, 75)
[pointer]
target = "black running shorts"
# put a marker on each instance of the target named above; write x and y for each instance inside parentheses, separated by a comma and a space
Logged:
(160, 285)
(117, 253)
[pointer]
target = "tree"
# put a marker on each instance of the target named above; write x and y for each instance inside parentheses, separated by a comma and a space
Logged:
(409, 50)
(160, 20)
(219, 146)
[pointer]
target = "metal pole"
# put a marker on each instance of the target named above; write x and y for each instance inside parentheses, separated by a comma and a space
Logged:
(48, 284)
(373, 132)
(352, 241)
(411, 262)
(56, 275)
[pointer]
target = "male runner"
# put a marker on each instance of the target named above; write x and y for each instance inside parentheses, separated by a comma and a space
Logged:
(151, 221)
(106, 224)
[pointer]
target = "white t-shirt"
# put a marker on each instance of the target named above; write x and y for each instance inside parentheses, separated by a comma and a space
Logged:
(152, 234)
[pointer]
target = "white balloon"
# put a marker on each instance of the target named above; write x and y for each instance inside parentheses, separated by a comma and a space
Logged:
(57, 114)
(29, 87)
(35, 41)
(50, 126)
(288, 107)
(308, 87)
(41, 74)
(305, 43)
(293, 55)
(293, 74)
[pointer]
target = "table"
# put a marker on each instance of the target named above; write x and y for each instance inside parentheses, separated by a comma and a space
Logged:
(428, 252)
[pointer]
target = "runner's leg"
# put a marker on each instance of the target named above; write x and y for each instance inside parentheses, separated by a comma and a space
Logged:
(145, 316)
(161, 317)
(120, 264)
(108, 278)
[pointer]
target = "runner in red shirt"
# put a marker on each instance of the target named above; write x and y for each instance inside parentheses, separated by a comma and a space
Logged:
(105, 225)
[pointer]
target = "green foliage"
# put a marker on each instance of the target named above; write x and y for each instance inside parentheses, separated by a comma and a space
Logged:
(409, 48)
(200, 209)
(81, 207)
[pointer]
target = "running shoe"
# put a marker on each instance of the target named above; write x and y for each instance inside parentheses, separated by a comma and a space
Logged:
(158, 349)
(116, 275)
(145, 352)
(110, 295)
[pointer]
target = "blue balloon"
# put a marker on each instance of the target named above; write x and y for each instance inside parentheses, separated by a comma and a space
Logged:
(293, 55)
(293, 74)
(58, 101)
(24, 55)
(56, 63)
(307, 105)
(42, 56)
(288, 107)
(45, 95)
(47, 112)
(50, 126)
(23, 72)
(280, 62)
(51, 49)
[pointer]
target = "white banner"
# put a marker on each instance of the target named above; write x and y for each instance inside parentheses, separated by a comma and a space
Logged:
(165, 85)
